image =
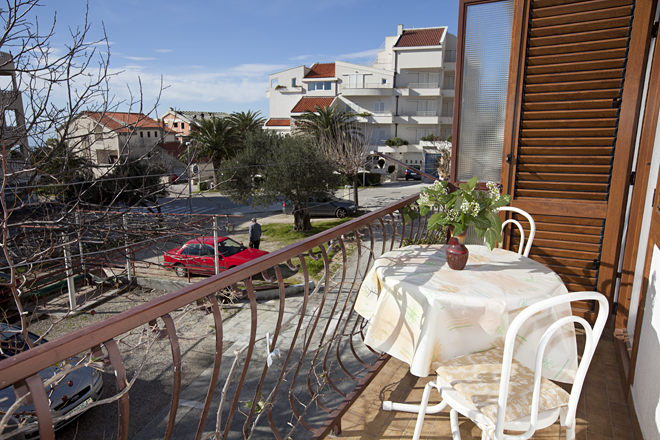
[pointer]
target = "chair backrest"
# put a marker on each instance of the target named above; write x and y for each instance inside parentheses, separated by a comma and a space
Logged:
(523, 249)
(592, 335)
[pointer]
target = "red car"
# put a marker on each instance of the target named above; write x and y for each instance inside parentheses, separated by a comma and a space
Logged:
(196, 256)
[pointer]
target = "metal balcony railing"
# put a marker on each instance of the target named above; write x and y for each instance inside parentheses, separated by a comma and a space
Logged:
(426, 113)
(300, 361)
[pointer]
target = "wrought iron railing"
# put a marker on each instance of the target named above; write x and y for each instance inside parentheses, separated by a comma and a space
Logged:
(287, 367)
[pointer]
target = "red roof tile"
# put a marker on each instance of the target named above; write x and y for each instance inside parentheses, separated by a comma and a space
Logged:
(310, 104)
(420, 37)
(276, 122)
(120, 121)
(321, 70)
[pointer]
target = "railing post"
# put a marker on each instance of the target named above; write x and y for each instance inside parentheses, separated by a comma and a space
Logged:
(129, 260)
(216, 253)
(83, 267)
(70, 284)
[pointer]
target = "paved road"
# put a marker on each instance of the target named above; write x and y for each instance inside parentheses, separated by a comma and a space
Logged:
(214, 203)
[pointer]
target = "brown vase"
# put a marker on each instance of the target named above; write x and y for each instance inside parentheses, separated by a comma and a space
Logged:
(457, 254)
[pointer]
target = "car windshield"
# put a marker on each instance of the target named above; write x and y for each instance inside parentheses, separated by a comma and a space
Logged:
(229, 247)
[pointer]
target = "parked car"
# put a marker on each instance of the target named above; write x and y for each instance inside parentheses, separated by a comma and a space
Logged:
(76, 390)
(412, 173)
(196, 255)
(325, 206)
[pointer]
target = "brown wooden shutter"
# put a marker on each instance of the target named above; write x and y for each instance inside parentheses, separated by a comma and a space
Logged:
(560, 159)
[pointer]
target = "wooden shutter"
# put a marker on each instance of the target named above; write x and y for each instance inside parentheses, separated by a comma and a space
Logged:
(567, 150)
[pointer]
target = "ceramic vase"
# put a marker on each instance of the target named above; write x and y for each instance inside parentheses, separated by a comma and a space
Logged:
(457, 254)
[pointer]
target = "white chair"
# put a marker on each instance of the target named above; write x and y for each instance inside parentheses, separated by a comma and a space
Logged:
(522, 249)
(476, 385)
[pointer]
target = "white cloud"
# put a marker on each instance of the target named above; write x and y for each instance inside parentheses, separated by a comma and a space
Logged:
(241, 84)
(162, 50)
(362, 54)
(300, 57)
(139, 58)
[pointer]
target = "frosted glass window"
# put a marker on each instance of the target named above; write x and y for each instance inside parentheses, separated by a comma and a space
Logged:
(483, 94)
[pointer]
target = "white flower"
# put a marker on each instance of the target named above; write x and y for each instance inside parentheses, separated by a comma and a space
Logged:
(475, 208)
(465, 206)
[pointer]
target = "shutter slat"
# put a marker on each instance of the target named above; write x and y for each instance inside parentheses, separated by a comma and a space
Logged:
(569, 123)
(569, 105)
(565, 177)
(599, 132)
(544, 8)
(576, 66)
(573, 95)
(581, 17)
(572, 113)
(572, 57)
(605, 34)
(610, 43)
(579, 195)
(564, 168)
(573, 186)
(593, 75)
(579, 27)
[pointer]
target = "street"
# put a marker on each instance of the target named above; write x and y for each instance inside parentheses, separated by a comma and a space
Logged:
(179, 202)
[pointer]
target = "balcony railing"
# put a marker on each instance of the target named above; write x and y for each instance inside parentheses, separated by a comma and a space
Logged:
(426, 113)
(424, 85)
(289, 368)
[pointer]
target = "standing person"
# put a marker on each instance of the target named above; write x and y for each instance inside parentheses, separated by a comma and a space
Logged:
(255, 234)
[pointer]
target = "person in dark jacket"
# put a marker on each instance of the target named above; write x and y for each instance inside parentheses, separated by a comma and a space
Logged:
(254, 233)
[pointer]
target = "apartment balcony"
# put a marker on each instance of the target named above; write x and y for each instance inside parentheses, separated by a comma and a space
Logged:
(419, 89)
(447, 93)
(287, 367)
(419, 117)
(376, 118)
(370, 89)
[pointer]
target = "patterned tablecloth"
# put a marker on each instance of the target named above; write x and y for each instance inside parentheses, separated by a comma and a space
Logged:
(422, 312)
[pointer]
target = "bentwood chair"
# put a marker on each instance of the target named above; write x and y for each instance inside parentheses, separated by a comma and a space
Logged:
(522, 248)
(498, 393)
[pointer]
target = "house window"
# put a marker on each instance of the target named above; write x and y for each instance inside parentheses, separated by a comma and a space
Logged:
(383, 81)
(148, 134)
(448, 108)
(10, 118)
(183, 125)
(175, 124)
(327, 85)
(379, 107)
(273, 82)
(293, 82)
(449, 81)
(312, 86)
(141, 134)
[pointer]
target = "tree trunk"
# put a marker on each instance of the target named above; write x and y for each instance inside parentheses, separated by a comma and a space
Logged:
(355, 190)
(301, 220)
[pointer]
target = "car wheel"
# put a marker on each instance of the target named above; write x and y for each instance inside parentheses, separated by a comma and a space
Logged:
(180, 270)
(341, 213)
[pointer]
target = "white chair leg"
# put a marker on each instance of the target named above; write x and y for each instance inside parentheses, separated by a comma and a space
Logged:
(570, 429)
(453, 421)
(422, 410)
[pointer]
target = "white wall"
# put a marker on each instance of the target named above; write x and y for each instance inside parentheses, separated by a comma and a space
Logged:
(282, 100)
(646, 388)
(419, 58)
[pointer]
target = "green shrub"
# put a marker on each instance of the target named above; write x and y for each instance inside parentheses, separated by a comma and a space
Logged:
(203, 186)
(395, 142)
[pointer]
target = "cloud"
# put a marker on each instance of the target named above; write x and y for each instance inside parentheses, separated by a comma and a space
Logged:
(300, 57)
(241, 84)
(162, 50)
(362, 54)
(139, 58)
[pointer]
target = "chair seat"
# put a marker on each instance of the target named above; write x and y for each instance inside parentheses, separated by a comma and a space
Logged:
(476, 379)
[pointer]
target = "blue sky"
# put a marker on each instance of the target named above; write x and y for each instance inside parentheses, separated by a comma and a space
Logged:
(216, 56)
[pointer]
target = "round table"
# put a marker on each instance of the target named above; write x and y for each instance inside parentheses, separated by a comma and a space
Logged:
(422, 312)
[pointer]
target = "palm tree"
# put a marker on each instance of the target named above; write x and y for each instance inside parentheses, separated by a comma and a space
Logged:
(324, 124)
(340, 139)
(214, 138)
(245, 123)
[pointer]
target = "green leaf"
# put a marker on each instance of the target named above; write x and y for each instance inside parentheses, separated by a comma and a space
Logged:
(436, 221)
(423, 210)
(472, 183)
(481, 222)
(459, 228)
(492, 238)
(480, 232)
(495, 221)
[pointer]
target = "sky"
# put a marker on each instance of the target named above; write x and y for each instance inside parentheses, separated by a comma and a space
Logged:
(217, 55)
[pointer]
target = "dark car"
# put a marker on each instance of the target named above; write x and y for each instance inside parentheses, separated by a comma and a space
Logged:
(412, 173)
(325, 206)
(197, 256)
(75, 391)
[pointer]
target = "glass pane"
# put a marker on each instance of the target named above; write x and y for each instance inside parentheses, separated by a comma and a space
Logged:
(483, 94)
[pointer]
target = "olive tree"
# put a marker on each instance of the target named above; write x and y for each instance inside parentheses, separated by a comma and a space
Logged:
(272, 168)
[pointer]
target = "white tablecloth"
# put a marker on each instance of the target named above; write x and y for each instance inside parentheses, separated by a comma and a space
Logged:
(422, 312)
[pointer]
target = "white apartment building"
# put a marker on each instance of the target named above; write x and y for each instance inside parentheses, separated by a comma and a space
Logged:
(408, 92)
